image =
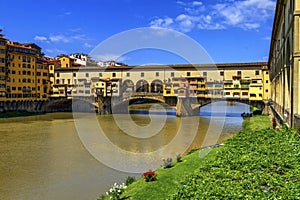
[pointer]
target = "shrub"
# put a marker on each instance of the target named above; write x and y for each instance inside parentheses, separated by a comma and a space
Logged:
(150, 176)
(129, 180)
(178, 158)
(167, 163)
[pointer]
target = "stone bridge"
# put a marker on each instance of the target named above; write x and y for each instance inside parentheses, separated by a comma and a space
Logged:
(185, 106)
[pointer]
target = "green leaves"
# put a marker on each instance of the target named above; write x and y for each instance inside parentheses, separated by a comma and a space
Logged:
(262, 164)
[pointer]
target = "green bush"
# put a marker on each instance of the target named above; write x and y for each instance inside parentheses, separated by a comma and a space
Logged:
(129, 180)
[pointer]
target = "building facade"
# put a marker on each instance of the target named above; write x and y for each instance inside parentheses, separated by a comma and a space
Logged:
(24, 74)
(3, 68)
(284, 60)
(248, 81)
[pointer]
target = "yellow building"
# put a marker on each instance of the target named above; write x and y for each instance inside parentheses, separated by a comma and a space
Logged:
(3, 68)
(65, 61)
(284, 61)
(27, 77)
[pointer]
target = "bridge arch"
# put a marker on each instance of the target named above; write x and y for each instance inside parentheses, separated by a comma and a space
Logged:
(128, 86)
(157, 86)
(142, 86)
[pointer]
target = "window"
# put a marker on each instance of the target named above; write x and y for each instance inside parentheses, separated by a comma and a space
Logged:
(24, 58)
(267, 81)
(67, 65)
(142, 74)
(127, 74)
(172, 74)
(157, 74)
(267, 72)
(57, 74)
(256, 72)
(86, 74)
(63, 81)
(100, 74)
(188, 73)
(221, 73)
(239, 73)
(28, 59)
(57, 81)
(69, 81)
(113, 74)
(74, 74)
(267, 90)
(204, 73)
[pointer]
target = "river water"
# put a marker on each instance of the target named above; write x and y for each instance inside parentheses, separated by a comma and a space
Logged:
(44, 157)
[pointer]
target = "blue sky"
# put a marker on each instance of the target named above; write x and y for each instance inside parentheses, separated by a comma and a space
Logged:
(230, 31)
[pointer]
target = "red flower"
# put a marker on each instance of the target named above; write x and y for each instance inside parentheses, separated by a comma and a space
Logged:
(150, 176)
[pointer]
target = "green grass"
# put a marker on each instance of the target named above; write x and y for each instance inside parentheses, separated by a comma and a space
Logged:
(258, 122)
(254, 164)
(168, 180)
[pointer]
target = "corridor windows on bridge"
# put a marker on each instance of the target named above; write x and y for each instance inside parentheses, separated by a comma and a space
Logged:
(74, 74)
(239, 73)
(221, 73)
(113, 74)
(204, 74)
(127, 74)
(100, 74)
(87, 75)
(188, 74)
(157, 74)
(257, 72)
(142, 74)
(172, 74)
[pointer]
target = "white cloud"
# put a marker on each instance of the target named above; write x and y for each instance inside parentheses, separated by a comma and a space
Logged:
(244, 14)
(247, 14)
(162, 22)
(40, 38)
(197, 3)
(59, 38)
(186, 23)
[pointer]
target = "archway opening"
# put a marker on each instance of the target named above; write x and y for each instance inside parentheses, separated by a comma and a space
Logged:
(157, 86)
(142, 86)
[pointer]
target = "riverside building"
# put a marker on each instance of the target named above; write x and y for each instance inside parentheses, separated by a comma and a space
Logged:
(284, 62)
(247, 81)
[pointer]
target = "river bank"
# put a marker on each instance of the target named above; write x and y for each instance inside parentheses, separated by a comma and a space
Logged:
(256, 162)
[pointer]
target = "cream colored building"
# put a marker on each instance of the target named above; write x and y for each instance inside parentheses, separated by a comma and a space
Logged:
(284, 60)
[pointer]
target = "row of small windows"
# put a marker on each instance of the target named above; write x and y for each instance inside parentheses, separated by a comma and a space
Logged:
(21, 50)
(24, 89)
(172, 74)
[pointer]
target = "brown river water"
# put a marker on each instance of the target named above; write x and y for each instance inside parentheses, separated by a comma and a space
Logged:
(44, 157)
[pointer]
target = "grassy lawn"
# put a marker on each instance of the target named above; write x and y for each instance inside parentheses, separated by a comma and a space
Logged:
(258, 122)
(167, 179)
